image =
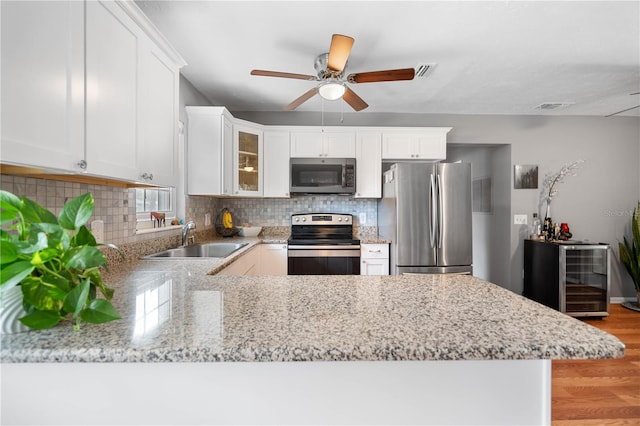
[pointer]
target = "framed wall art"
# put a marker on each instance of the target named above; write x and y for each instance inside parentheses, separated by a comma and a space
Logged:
(525, 176)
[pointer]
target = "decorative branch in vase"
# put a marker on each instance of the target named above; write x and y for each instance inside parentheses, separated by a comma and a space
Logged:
(551, 180)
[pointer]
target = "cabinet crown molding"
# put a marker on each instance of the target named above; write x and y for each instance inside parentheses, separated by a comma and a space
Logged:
(151, 31)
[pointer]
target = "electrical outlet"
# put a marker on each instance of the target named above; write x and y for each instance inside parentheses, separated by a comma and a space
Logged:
(362, 217)
(519, 219)
(207, 219)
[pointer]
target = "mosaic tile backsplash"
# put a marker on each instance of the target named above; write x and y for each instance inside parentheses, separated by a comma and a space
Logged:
(277, 211)
(116, 208)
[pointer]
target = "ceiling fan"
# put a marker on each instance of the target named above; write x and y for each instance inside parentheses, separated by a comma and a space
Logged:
(627, 109)
(330, 69)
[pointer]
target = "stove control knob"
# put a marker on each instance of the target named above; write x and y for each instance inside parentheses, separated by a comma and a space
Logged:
(304, 219)
(339, 219)
(296, 219)
(346, 219)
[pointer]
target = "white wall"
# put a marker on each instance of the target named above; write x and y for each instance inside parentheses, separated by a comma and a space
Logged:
(595, 203)
(491, 254)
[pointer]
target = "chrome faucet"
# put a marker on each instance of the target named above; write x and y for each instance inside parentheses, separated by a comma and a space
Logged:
(185, 232)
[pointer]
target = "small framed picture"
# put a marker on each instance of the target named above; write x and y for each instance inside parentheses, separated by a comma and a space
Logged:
(525, 176)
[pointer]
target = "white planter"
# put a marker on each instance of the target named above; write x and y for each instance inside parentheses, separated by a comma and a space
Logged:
(11, 310)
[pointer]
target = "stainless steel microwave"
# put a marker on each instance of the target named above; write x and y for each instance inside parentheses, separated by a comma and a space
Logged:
(323, 175)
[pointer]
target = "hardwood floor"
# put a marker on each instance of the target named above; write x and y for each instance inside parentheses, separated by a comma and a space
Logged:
(601, 392)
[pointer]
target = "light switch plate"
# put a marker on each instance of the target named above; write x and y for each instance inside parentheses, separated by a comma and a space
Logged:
(519, 219)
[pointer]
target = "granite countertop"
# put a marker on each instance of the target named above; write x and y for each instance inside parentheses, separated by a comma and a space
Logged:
(174, 311)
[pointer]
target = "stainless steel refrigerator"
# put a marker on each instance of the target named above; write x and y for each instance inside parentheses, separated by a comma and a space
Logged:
(425, 211)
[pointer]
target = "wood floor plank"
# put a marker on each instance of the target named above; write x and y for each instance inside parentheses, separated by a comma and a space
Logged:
(601, 392)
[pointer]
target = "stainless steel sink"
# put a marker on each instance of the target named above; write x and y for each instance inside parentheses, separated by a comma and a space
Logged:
(198, 250)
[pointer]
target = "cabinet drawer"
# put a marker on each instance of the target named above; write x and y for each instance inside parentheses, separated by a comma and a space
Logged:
(374, 251)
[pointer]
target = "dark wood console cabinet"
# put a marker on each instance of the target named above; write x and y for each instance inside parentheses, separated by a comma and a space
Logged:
(570, 277)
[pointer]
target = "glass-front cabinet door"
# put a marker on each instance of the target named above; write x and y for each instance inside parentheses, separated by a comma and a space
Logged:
(248, 161)
(584, 279)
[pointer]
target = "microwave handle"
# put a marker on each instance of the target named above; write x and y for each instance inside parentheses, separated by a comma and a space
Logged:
(344, 176)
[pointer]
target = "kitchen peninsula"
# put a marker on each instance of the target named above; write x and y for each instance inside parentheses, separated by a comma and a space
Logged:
(194, 348)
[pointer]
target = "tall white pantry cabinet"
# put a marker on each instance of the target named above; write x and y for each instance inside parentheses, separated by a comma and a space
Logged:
(89, 87)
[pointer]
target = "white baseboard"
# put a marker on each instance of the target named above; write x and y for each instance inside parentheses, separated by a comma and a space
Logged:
(618, 300)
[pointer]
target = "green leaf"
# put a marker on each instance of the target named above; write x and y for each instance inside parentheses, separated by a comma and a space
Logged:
(84, 257)
(8, 216)
(13, 273)
(42, 295)
(8, 253)
(77, 212)
(9, 202)
(35, 213)
(99, 311)
(84, 237)
(36, 242)
(40, 320)
(77, 298)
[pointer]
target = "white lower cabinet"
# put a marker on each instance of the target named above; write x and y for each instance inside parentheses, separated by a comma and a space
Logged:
(248, 263)
(273, 259)
(374, 259)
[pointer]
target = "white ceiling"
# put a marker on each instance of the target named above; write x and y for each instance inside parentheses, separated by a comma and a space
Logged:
(493, 57)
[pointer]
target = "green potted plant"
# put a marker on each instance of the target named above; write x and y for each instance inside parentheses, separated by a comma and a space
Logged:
(55, 261)
(630, 251)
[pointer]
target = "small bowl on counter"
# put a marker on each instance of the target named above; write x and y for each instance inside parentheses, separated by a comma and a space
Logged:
(249, 231)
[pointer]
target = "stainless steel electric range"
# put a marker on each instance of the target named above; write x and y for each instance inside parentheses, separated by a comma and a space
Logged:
(323, 244)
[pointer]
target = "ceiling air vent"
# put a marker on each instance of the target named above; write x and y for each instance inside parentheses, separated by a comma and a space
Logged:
(554, 105)
(423, 70)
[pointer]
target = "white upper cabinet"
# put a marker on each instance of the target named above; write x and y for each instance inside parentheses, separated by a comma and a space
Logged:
(100, 83)
(43, 84)
(112, 98)
(157, 118)
(276, 164)
(209, 151)
(248, 163)
(132, 99)
(322, 143)
(368, 165)
(415, 144)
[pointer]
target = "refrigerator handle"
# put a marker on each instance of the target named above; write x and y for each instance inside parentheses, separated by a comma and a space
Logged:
(440, 210)
(432, 224)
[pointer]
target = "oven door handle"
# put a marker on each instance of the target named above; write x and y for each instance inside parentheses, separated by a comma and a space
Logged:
(326, 247)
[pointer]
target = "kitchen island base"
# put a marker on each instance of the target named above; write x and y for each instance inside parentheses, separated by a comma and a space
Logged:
(483, 392)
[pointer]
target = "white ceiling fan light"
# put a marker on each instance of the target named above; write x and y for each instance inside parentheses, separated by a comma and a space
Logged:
(332, 90)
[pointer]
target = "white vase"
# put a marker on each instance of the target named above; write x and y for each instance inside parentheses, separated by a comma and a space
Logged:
(11, 310)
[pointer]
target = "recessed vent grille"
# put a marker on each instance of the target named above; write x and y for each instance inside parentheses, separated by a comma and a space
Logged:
(554, 105)
(423, 70)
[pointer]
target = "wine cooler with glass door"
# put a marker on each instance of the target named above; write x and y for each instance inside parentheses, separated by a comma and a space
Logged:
(572, 277)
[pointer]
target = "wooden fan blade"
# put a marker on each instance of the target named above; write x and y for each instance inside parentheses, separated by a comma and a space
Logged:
(386, 75)
(354, 100)
(302, 99)
(339, 52)
(282, 74)
(637, 93)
